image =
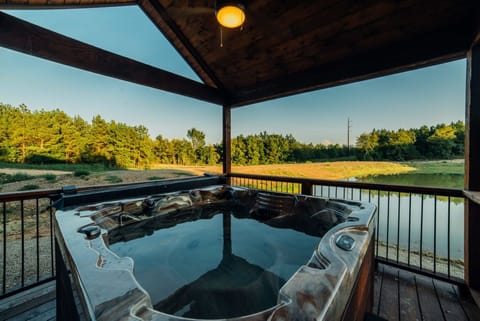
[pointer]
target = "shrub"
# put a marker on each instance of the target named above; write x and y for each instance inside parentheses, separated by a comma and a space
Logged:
(81, 173)
(183, 174)
(50, 178)
(29, 187)
(44, 159)
(17, 177)
(154, 178)
(114, 179)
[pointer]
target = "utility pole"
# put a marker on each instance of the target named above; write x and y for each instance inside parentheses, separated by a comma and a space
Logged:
(348, 135)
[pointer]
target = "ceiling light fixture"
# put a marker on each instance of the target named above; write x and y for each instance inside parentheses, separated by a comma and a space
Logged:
(230, 14)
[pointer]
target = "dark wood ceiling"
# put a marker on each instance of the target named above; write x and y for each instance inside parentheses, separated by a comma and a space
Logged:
(287, 47)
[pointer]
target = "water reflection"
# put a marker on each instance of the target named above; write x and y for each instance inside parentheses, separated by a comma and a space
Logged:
(213, 268)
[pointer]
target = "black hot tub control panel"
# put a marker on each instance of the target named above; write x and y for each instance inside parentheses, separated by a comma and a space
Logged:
(345, 242)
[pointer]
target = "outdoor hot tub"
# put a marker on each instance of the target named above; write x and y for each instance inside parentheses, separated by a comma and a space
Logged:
(212, 251)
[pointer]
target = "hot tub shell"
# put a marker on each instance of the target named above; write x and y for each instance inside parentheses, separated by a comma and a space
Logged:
(335, 284)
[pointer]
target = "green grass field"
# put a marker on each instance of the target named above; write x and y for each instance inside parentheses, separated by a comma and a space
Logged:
(438, 167)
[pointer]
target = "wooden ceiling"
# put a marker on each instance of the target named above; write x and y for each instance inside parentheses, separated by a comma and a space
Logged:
(290, 46)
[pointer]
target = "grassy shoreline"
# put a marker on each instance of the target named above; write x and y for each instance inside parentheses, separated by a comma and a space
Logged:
(322, 170)
(454, 167)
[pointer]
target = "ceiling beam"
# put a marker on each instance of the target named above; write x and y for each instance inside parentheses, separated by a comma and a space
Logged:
(19, 35)
(438, 47)
(52, 4)
(157, 14)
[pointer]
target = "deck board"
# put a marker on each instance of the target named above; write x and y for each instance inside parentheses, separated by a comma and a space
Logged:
(46, 311)
(409, 308)
(398, 295)
(389, 307)
(449, 302)
(429, 305)
(26, 296)
(469, 307)
(377, 290)
(34, 304)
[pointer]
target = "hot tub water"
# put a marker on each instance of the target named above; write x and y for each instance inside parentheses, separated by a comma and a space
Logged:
(217, 267)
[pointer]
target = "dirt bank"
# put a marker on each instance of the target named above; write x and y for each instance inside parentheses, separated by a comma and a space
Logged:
(99, 178)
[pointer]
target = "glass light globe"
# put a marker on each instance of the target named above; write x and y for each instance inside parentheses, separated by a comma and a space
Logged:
(230, 16)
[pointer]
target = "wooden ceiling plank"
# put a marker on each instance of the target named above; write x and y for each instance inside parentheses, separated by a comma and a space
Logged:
(28, 38)
(309, 56)
(313, 24)
(325, 42)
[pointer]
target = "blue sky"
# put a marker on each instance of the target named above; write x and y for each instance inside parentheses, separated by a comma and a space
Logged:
(406, 100)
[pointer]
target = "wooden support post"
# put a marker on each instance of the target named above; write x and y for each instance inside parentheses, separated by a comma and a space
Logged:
(307, 188)
(472, 168)
(227, 146)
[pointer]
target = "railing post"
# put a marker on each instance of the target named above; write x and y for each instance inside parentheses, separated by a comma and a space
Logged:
(307, 188)
(472, 167)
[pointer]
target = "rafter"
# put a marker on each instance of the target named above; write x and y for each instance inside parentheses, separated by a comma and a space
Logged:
(28, 38)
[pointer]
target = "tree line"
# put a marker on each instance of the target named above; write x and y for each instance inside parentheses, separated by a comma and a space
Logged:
(435, 142)
(52, 137)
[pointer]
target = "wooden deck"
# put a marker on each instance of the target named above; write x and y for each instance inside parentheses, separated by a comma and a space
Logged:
(37, 304)
(401, 295)
(398, 295)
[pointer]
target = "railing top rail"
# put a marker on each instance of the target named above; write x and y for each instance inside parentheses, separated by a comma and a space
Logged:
(440, 191)
(24, 195)
(45, 193)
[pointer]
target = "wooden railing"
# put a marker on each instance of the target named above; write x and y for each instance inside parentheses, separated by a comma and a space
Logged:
(27, 240)
(417, 227)
(27, 237)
